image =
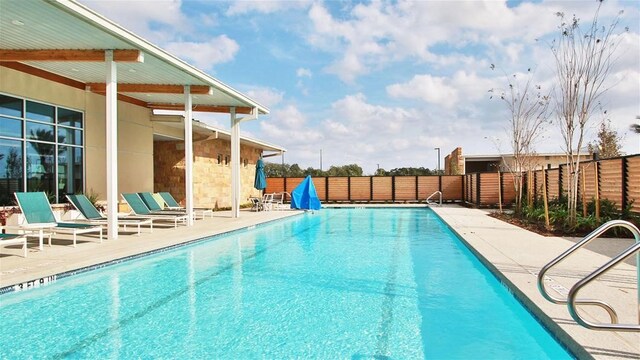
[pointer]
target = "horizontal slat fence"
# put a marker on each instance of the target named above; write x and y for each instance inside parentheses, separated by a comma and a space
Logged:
(618, 180)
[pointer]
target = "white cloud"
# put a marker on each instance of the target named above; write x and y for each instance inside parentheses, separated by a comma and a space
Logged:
(138, 16)
(434, 90)
(371, 36)
(241, 7)
(204, 55)
(302, 72)
(268, 97)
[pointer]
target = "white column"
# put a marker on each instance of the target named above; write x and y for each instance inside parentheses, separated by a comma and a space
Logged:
(188, 153)
(112, 145)
(235, 164)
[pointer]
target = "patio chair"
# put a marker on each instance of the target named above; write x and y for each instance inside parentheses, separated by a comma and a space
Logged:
(14, 239)
(171, 204)
(38, 215)
(256, 204)
(140, 209)
(277, 201)
(267, 202)
(93, 216)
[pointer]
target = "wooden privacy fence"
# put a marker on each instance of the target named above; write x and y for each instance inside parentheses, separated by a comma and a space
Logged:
(617, 180)
(375, 188)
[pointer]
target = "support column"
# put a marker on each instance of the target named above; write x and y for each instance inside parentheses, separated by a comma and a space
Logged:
(188, 153)
(235, 164)
(112, 145)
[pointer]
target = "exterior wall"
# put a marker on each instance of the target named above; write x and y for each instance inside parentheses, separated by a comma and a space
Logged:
(211, 181)
(454, 163)
(542, 161)
(135, 132)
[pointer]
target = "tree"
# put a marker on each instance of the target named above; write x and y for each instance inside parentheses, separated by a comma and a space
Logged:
(528, 111)
(583, 62)
(608, 142)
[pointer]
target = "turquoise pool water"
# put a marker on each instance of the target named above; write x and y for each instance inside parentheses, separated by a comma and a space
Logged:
(336, 284)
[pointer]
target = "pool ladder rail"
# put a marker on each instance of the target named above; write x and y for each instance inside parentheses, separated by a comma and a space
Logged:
(572, 301)
(430, 202)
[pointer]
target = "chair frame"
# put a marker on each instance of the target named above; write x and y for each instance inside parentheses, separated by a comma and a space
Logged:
(55, 226)
(124, 221)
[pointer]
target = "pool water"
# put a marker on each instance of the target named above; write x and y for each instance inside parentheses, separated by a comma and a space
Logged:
(335, 284)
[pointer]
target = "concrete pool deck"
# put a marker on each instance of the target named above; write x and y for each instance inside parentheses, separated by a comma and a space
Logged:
(515, 254)
(518, 255)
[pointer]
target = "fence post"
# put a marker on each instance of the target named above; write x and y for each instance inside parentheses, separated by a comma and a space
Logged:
(440, 183)
(500, 193)
(349, 188)
(326, 188)
(464, 192)
(417, 190)
(393, 188)
(560, 182)
(625, 189)
(597, 190)
(478, 189)
(370, 188)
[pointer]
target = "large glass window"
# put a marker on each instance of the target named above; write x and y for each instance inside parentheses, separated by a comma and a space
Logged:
(11, 171)
(40, 112)
(41, 149)
(69, 171)
(10, 106)
(10, 127)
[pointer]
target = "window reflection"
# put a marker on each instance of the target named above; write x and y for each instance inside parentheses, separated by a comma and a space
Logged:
(40, 167)
(69, 171)
(10, 169)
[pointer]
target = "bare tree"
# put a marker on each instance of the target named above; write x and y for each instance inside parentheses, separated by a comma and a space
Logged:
(583, 59)
(528, 112)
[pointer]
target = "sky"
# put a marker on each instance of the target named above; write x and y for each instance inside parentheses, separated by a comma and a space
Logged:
(384, 83)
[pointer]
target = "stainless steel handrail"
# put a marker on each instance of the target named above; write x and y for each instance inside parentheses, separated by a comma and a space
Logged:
(438, 192)
(573, 293)
(593, 235)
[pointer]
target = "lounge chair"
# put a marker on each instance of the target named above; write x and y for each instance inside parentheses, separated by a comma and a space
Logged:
(172, 204)
(140, 209)
(14, 239)
(93, 216)
(38, 215)
(150, 200)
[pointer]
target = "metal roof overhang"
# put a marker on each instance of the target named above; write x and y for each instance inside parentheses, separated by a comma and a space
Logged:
(65, 27)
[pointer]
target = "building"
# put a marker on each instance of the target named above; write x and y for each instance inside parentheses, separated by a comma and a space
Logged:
(77, 100)
(458, 164)
(211, 165)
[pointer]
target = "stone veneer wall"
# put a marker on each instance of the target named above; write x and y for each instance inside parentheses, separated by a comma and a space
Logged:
(454, 163)
(211, 180)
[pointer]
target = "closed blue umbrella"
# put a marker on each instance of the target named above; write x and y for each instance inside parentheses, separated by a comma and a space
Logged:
(261, 180)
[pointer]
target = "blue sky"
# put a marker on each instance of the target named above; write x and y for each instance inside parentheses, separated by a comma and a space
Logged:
(381, 82)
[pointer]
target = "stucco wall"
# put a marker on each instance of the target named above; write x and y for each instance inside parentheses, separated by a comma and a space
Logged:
(135, 132)
(211, 181)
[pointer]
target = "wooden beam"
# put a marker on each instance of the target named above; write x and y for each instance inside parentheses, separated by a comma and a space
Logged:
(201, 108)
(69, 55)
(153, 88)
(43, 74)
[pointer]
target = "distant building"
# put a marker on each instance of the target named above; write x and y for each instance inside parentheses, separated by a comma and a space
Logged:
(457, 164)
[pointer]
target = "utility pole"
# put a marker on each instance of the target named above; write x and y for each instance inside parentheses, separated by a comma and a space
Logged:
(320, 159)
(438, 149)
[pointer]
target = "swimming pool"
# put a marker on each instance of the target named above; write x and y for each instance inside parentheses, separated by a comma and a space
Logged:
(339, 283)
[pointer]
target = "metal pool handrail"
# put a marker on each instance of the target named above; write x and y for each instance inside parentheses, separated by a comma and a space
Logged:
(573, 293)
(593, 235)
(438, 192)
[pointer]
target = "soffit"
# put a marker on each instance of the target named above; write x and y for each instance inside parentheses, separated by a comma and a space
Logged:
(61, 24)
